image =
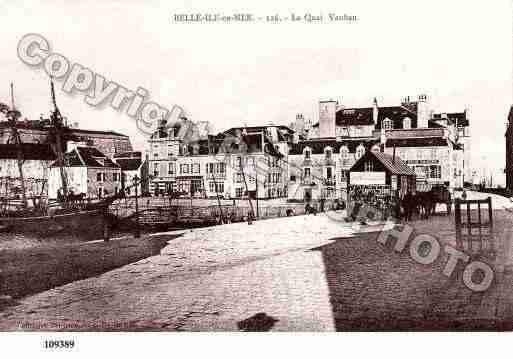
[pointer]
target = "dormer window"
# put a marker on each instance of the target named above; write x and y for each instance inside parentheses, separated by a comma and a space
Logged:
(308, 153)
(360, 151)
(387, 124)
(406, 123)
(344, 152)
(327, 153)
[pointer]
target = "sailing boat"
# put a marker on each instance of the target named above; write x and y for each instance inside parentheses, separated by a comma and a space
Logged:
(87, 221)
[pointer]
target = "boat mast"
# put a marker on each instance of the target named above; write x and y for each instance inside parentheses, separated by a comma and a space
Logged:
(56, 125)
(12, 117)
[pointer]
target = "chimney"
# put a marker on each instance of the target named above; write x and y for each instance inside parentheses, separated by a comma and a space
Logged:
(375, 111)
(422, 112)
(327, 116)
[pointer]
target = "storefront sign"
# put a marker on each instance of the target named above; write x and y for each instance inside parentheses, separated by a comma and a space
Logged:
(366, 178)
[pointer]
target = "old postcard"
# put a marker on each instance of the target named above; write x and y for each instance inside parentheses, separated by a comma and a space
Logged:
(317, 166)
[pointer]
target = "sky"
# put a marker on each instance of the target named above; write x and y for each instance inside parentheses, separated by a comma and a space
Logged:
(459, 53)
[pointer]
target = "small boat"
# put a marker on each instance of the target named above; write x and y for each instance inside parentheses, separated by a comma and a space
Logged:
(87, 220)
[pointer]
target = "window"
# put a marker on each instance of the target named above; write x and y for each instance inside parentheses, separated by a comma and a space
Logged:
(308, 153)
(171, 169)
(216, 187)
(368, 166)
(184, 168)
(115, 177)
(329, 172)
(387, 124)
(433, 153)
(328, 153)
(406, 123)
(343, 175)
(307, 172)
(292, 178)
(217, 168)
(155, 169)
(99, 177)
(155, 155)
(434, 172)
(196, 168)
(360, 151)
(238, 192)
(344, 152)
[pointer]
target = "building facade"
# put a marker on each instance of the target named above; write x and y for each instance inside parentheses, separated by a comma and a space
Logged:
(87, 171)
(435, 145)
(37, 159)
(249, 161)
(108, 142)
(509, 151)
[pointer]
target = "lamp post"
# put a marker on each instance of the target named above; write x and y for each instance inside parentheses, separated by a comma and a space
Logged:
(137, 233)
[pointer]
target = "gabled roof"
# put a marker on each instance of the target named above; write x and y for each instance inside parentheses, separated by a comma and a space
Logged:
(86, 157)
(453, 117)
(395, 166)
(363, 116)
(129, 164)
(30, 151)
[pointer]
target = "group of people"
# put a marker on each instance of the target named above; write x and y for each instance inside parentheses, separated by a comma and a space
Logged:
(424, 204)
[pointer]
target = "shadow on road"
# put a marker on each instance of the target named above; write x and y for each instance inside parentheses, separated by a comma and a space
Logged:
(260, 322)
(32, 270)
(374, 288)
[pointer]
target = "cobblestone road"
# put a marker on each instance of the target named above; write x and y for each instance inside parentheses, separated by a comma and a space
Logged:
(308, 273)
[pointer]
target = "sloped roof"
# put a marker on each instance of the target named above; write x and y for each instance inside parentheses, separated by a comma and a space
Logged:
(131, 154)
(395, 165)
(453, 117)
(318, 145)
(78, 131)
(86, 157)
(129, 164)
(30, 151)
(417, 142)
(252, 129)
(363, 116)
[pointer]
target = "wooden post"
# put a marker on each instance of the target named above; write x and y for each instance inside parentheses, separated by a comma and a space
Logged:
(137, 233)
(490, 230)
(457, 220)
(469, 228)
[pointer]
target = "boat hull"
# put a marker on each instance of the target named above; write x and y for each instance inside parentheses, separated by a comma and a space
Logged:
(89, 224)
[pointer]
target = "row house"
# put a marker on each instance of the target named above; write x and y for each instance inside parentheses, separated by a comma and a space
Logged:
(319, 168)
(435, 145)
(37, 159)
(134, 172)
(249, 161)
(88, 171)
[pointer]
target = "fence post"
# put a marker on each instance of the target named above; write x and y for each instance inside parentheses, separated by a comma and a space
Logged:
(457, 220)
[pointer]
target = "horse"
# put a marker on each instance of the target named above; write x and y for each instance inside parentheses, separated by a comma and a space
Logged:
(309, 209)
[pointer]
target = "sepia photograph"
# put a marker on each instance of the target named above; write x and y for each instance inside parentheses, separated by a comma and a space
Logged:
(230, 167)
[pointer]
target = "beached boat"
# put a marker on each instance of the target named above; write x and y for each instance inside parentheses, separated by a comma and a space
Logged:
(69, 216)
